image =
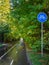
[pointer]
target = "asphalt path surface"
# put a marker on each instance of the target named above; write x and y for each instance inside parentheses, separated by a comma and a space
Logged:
(15, 56)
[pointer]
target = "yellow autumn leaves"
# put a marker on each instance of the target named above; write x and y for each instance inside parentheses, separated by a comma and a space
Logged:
(4, 9)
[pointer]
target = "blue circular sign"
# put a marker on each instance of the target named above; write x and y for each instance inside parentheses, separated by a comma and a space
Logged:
(42, 17)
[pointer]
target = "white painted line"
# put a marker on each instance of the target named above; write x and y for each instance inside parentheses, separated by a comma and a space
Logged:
(7, 52)
(11, 62)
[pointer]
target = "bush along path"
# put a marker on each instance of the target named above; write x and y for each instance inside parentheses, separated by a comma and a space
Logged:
(36, 58)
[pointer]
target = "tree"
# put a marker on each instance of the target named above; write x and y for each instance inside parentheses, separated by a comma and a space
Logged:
(24, 15)
(22, 20)
(4, 28)
(4, 11)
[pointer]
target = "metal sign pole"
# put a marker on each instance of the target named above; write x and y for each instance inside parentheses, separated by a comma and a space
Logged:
(42, 39)
(42, 17)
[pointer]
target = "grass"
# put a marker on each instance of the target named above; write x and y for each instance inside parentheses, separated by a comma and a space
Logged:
(37, 59)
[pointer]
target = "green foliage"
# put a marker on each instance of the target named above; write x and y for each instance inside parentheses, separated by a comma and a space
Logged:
(22, 21)
(4, 28)
(24, 17)
(37, 59)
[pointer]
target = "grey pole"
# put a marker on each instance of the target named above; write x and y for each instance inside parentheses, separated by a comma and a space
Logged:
(42, 39)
